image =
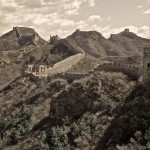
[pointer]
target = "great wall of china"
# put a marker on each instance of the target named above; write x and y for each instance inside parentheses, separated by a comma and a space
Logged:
(128, 69)
(60, 69)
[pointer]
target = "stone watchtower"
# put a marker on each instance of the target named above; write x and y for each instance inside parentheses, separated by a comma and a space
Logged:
(54, 39)
(146, 65)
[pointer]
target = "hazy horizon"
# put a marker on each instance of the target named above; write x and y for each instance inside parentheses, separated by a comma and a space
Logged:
(63, 17)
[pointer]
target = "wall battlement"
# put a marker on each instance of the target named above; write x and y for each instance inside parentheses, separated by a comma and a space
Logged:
(123, 65)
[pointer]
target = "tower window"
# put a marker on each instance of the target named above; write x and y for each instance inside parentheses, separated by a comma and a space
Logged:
(148, 65)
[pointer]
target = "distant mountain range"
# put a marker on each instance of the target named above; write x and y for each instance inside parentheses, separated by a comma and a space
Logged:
(93, 43)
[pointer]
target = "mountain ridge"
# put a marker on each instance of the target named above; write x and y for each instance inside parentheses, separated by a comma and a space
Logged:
(20, 37)
(125, 43)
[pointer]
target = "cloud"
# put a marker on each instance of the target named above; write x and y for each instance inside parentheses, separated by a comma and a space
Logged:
(92, 3)
(74, 5)
(8, 9)
(82, 24)
(39, 20)
(10, 3)
(72, 8)
(61, 33)
(67, 23)
(109, 18)
(72, 12)
(89, 22)
(147, 12)
(95, 17)
(139, 7)
(30, 4)
(144, 31)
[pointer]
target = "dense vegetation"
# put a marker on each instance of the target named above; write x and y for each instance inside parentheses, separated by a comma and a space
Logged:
(92, 113)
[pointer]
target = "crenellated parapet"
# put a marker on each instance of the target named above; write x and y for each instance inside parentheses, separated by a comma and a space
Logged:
(122, 65)
(128, 69)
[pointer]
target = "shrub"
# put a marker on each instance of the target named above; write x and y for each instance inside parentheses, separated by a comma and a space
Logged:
(56, 138)
(16, 125)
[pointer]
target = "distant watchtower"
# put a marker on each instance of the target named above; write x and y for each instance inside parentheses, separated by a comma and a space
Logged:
(146, 65)
(127, 30)
(77, 30)
(54, 39)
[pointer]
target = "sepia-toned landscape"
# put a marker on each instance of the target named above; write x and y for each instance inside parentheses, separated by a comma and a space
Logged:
(81, 91)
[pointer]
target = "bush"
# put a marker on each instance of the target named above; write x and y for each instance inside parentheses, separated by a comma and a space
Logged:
(16, 125)
(56, 138)
(41, 145)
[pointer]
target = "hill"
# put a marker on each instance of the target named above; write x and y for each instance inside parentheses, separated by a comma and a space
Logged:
(20, 37)
(129, 41)
(123, 44)
(77, 109)
(49, 115)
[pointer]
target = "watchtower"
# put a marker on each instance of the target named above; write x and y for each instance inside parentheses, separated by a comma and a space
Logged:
(77, 30)
(146, 65)
(54, 39)
(127, 30)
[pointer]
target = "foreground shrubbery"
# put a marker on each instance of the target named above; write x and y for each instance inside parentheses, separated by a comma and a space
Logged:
(86, 115)
(15, 126)
(128, 130)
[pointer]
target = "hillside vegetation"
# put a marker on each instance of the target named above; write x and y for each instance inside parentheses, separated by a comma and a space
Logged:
(83, 108)
(110, 112)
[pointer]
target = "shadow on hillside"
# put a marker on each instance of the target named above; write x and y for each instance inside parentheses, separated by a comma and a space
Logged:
(133, 116)
(43, 124)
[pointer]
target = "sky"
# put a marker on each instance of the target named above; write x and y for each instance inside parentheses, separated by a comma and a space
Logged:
(63, 17)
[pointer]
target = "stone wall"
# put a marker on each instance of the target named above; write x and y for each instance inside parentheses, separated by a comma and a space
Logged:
(60, 67)
(132, 71)
(66, 64)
